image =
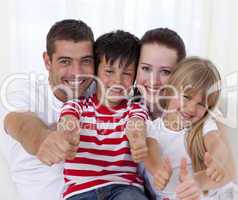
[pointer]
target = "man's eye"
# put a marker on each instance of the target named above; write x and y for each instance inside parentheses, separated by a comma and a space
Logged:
(87, 61)
(65, 62)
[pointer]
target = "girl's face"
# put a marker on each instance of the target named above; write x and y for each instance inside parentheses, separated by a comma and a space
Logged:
(187, 109)
(155, 66)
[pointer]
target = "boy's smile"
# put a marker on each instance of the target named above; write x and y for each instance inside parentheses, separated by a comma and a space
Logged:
(115, 81)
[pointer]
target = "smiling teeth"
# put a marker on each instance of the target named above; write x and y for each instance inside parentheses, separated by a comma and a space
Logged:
(73, 83)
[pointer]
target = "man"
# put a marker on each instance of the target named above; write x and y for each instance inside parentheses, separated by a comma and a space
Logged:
(69, 61)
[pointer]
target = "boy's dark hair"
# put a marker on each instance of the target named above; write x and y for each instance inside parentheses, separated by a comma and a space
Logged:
(166, 37)
(68, 29)
(117, 45)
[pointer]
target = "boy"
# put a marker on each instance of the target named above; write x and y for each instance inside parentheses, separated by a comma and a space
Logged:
(103, 167)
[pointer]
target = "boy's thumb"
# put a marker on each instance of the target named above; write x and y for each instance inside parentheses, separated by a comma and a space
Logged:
(183, 170)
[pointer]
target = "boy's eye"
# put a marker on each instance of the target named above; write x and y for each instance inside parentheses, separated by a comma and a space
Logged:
(127, 74)
(201, 104)
(146, 69)
(109, 71)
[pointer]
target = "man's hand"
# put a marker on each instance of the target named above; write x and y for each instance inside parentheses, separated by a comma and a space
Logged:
(187, 188)
(214, 169)
(59, 146)
(163, 174)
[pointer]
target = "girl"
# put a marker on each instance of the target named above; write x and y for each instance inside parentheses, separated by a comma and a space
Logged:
(186, 133)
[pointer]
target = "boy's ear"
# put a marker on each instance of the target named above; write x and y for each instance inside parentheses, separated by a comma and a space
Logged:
(47, 61)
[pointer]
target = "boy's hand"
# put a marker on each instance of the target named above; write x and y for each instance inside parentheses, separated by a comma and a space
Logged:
(135, 131)
(214, 170)
(163, 174)
(59, 146)
(138, 147)
(187, 189)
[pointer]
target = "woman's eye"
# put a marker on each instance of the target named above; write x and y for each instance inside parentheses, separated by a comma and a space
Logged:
(165, 72)
(146, 69)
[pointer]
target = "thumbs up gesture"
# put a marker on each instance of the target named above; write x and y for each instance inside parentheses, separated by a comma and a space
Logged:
(135, 132)
(59, 146)
(187, 189)
(163, 174)
(214, 169)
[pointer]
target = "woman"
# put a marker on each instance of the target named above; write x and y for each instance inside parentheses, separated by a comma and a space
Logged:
(161, 50)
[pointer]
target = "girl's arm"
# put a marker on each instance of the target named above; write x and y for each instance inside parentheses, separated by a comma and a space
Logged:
(222, 157)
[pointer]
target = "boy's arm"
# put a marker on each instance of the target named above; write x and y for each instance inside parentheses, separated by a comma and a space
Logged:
(221, 158)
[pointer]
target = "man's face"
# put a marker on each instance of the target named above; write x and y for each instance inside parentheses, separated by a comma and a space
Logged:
(71, 68)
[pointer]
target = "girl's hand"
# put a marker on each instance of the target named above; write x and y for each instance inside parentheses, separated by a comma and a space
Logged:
(214, 170)
(162, 175)
(187, 188)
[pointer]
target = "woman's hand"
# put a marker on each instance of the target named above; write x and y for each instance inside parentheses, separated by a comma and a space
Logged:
(187, 189)
(163, 174)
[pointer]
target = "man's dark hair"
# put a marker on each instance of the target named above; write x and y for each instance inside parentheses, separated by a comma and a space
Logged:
(166, 37)
(117, 45)
(70, 30)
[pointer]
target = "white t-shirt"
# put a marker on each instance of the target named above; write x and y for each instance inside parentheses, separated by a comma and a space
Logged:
(172, 145)
(34, 180)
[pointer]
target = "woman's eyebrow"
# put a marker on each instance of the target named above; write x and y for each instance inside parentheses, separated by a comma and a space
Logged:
(143, 63)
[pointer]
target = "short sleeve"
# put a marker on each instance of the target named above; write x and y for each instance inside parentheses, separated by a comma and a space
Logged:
(72, 107)
(209, 125)
(152, 129)
(138, 110)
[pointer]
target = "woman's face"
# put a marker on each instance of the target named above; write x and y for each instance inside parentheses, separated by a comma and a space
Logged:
(155, 66)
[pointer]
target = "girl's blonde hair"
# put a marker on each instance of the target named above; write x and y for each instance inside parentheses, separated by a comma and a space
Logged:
(194, 75)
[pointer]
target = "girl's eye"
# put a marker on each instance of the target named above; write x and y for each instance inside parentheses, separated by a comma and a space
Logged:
(186, 97)
(165, 72)
(201, 104)
(146, 69)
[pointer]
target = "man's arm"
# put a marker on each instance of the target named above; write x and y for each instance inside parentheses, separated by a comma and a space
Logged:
(27, 129)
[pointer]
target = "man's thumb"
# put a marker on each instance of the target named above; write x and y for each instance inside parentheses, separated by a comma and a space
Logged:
(73, 136)
(183, 169)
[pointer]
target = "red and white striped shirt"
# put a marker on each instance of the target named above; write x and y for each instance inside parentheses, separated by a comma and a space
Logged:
(103, 156)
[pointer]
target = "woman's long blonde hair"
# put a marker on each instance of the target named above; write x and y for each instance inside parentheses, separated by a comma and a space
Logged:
(197, 75)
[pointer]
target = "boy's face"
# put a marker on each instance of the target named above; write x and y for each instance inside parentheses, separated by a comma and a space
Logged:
(69, 67)
(115, 81)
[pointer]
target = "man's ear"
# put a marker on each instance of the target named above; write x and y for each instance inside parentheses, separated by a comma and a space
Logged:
(47, 61)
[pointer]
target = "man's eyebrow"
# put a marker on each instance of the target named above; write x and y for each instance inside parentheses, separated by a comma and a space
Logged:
(87, 56)
(64, 57)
